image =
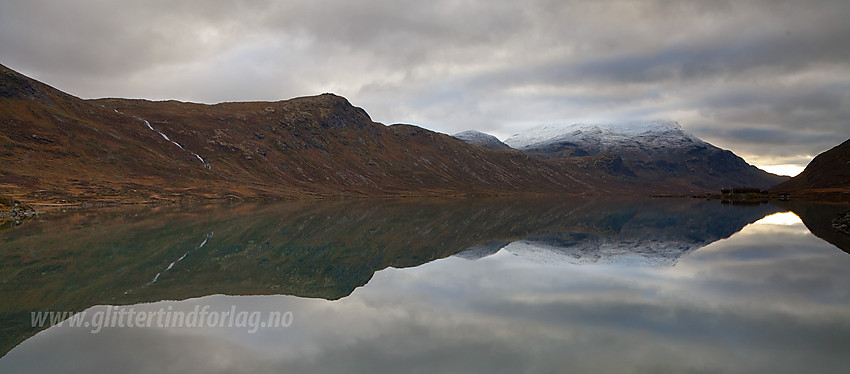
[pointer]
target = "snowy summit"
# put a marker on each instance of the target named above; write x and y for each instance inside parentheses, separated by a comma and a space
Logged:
(603, 138)
(658, 151)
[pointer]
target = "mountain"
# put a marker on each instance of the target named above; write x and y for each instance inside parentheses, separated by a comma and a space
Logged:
(61, 149)
(482, 140)
(637, 139)
(827, 174)
(659, 153)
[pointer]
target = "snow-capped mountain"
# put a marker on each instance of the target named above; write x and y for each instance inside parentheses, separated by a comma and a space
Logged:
(481, 139)
(661, 153)
(589, 139)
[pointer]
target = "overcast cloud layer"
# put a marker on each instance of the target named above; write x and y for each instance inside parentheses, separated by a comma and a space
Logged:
(766, 79)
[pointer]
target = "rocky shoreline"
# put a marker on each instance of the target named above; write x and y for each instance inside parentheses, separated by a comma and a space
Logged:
(14, 211)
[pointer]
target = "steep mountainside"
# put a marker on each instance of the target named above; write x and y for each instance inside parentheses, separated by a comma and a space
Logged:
(828, 173)
(658, 153)
(56, 147)
(482, 140)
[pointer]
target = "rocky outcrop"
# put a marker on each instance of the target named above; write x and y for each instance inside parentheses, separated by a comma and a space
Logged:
(14, 211)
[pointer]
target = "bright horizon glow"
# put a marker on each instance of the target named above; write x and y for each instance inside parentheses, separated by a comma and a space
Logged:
(781, 219)
(790, 170)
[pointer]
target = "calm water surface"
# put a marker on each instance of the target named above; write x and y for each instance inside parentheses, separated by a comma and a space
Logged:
(503, 286)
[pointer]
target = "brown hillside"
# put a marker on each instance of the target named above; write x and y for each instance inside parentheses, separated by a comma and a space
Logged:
(58, 148)
(827, 175)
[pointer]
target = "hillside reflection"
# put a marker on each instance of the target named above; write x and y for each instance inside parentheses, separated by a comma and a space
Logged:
(325, 250)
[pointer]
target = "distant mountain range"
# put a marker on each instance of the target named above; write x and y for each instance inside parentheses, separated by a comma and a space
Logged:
(57, 148)
(657, 153)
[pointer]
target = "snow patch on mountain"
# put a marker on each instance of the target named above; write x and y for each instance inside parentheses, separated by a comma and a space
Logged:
(608, 136)
(204, 162)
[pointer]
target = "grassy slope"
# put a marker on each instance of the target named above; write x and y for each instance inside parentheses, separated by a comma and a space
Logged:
(57, 148)
(828, 175)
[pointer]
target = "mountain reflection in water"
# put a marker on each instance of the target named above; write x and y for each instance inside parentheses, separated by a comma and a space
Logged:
(325, 249)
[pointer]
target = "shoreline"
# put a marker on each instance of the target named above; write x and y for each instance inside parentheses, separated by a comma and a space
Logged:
(18, 209)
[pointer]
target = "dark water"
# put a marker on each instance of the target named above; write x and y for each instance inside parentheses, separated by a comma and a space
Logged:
(534, 286)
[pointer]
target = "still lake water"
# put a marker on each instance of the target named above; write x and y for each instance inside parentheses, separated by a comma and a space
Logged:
(497, 286)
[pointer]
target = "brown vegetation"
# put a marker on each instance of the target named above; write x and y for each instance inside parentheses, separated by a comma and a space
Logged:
(58, 149)
(826, 177)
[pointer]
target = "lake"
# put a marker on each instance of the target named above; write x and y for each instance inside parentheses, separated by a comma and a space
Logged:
(429, 285)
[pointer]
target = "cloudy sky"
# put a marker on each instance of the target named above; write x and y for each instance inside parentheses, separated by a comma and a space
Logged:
(769, 80)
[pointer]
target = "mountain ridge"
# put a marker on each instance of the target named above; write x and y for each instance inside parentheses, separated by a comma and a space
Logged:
(481, 139)
(606, 134)
(59, 149)
(657, 152)
(828, 174)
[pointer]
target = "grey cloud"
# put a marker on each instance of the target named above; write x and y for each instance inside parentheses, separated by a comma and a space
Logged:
(777, 137)
(495, 66)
